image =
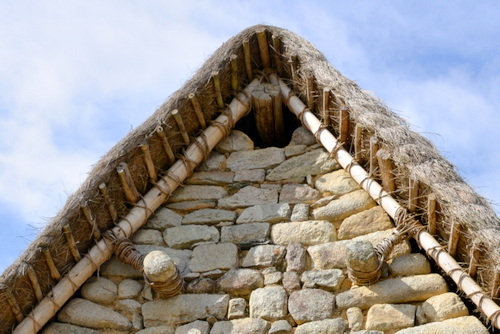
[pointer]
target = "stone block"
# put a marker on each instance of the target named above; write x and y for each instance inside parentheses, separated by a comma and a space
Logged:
(270, 213)
(291, 282)
(186, 236)
(294, 150)
(263, 158)
(196, 193)
(280, 327)
(250, 176)
(84, 313)
(237, 308)
(241, 282)
(268, 303)
(215, 161)
(354, 318)
(100, 290)
(129, 288)
(462, 325)
(300, 212)
(249, 196)
(209, 257)
(296, 257)
(364, 222)
(444, 306)
(330, 279)
(337, 183)
(58, 328)
(410, 264)
(264, 256)
(180, 257)
(388, 317)
(184, 308)
(170, 329)
(393, 290)
(308, 233)
(209, 217)
(235, 141)
(310, 305)
(298, 193)
(302, 136)
(215, 178)
(345, 206)
(188, 206)
(195, 327)
(328, 326)
(164, 218)
(246, 234)
(241, 326)
(148, 237)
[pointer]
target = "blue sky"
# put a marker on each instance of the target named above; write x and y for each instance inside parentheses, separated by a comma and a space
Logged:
(75, 77)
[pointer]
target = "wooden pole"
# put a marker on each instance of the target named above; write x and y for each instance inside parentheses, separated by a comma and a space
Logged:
(278, 64)
(265, 97)
(374, 147)
(386, 168)
(148, 161)
(248, 58)
(263, 48)
(218, 93)
(54, 273)
(390, 205)
(358, 142)
(71, 243)
(344, 127)
(136, 217)
(197, 110)
(34, 283)
(431, 214)
(111, 207)
(454, 238)
(310, 92)
(180, 125)
(91, 221)
(165, 144)
(294, 69)
(14, 306)
(495, 291)
(414, 188)
(475, 253)
(326, 106)
(235, 83)
(128, 185)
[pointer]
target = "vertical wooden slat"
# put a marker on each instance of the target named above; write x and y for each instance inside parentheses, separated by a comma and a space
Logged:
(54, 273)
(414, 187)
(294, 71)
(165, 144)
(128, 184)
(14, 306)
(475, 253)
(71, 243)
(326, 106)
(218, 93)
(263, 48)
(248, 59)
(235, 83)
(386, 170)
(148, 161)
(310, 92)
(180, 125)
(344, 126)
(91, 221)
(495, 291)
(34, 283)
(197, 111)
(374, 147)
(454, 238)
(111, 207)
(431, 214)
(358, 142)
(277, 54)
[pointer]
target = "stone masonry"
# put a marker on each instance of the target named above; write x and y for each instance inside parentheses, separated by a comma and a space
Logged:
(260, 237)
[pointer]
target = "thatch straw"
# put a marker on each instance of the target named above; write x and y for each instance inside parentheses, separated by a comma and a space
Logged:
(413, 155)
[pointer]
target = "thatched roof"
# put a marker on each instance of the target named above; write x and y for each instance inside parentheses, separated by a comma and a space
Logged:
(299, 62)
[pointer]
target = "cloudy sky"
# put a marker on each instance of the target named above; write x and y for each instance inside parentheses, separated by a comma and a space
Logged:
(76, 76)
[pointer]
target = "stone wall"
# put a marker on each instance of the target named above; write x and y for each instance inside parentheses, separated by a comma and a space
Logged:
(260, 237)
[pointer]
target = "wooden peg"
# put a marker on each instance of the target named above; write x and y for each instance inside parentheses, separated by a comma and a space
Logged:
(248, 59)
(344, 126)
(165, 144)
(265, 98)
(431, 214)
(71, 243)
(414, 188)
(294, 69)
(386, 168)
(475, 253)
(277, 54)
(310, 92)
(14, 306)
(235, 84)
(111, 208)
(358, 142)
(374, 147)
(34, 283)
(91, 221)
(128, 184)
(454, 238)
(263, 48)
(197, 111)
(218, 93)
(495, 291)
(326, 107)
(54, 273)
(148, 160)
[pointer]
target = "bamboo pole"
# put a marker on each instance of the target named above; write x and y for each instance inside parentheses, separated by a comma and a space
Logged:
(71, 243)
(180, 125)
(111, 208)
(128, 184)
(91, 221)
(248, 58)
(136, 217)
(390, 205)
(263, 48)
(197, 110)
(235, 83)
(218, 93)
(165, 144)
(148, 160)
(54, 273)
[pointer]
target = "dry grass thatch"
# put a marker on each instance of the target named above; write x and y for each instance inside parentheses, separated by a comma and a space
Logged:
(297, 60)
